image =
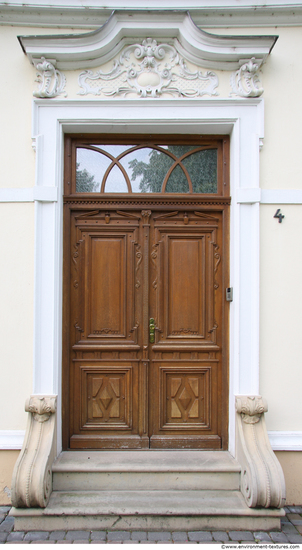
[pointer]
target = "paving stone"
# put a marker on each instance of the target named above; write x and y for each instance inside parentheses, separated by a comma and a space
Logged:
(80, 541)
(77, 535)
(292, 509)
(155, 535)
(4, 509)
(2, 517)
(199, 536)
(36, 535)
(20, 542)
(114, 542)
(7, 524)
(179, 536)
(64, 541)
(139, 535)
(57, 535)
(278, 537)
(294, 538)
(118, 535)
(130, 541)
(98, 542)
(3, 536)
(43, 541)
(16, 535)
(289, 528)
(241, 535)
(98, 535)
(293, 516)
(220, 536)
(262, 536)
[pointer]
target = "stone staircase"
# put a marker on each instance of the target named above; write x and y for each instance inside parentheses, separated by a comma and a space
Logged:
(135, 490)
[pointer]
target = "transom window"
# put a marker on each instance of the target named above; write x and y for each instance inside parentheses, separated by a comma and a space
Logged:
(146, 164)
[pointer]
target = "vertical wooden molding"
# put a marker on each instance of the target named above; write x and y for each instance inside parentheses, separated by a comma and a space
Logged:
(32, 476)
(262, 479)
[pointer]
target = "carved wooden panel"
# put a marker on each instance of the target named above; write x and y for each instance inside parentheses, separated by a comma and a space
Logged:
(106, 268)
(107, 397)
(186, 397)
(185, 280)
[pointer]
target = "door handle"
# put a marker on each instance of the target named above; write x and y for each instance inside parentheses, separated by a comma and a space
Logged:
(151, 331)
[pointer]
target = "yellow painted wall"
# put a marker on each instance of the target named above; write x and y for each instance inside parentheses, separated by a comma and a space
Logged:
(16, 311)
(7, 463)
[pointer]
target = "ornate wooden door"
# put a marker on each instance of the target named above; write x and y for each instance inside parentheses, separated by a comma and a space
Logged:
(145, 323)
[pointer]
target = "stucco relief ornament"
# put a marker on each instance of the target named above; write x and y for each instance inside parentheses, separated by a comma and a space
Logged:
(51, 81)
(148, 69)
(246, 81)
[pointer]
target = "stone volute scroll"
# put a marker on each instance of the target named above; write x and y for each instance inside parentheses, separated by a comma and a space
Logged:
(32, 476)
(262, 479)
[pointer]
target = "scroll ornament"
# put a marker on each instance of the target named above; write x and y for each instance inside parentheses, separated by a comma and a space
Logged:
(246, 82)
(149, 70)
(262, 479)
(32, 476)
(51, 81)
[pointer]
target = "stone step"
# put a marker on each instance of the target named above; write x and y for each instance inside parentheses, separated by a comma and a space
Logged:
(136, 510)
(145, 471)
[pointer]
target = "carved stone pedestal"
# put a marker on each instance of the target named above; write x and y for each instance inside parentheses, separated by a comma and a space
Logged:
(32, 476)
(262, 479)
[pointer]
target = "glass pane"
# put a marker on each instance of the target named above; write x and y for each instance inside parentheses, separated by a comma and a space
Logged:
(177, 182)
(202, 168)
(90, 169)
(146, 168)
(114, 150)
(116, 182)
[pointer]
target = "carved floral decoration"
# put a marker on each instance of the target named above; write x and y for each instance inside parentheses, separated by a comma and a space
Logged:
(51, 81)
(149, 70)
(246, 81)
(251, 408)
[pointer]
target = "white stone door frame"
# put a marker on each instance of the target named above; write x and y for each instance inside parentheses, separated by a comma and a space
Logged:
(243, 120)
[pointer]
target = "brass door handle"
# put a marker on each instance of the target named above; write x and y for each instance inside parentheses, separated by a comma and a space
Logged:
(151, 330)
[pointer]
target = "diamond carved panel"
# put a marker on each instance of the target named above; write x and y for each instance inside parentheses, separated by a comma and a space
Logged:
(186, 397)
(109, 397)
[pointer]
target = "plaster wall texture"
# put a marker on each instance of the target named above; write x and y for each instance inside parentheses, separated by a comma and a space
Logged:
(280, 316)
(280, 168)
(16, 312)
(7, 463)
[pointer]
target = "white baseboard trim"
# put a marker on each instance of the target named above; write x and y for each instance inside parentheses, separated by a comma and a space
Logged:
(286, 441)
(11, 439)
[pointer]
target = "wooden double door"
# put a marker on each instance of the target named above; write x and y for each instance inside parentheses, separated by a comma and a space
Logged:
(145, 325)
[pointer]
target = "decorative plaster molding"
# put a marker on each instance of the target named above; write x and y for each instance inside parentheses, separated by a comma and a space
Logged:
(147, 70)
(246, 81)
(32, 478)
(51, 81)
(75, 14)
(262, 479)
(285, 441)
(94, 49)
(11, 439)
(29, 194)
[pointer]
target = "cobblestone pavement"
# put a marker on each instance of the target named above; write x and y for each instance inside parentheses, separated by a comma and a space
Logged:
(290, 534)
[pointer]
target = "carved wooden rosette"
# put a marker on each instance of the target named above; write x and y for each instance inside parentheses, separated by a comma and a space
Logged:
(32, 476)
(262, 479)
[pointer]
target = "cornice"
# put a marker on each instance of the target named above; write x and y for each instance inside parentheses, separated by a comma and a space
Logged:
(92, 49)
(217, 13)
